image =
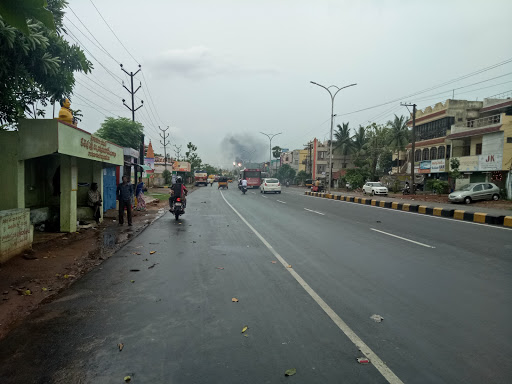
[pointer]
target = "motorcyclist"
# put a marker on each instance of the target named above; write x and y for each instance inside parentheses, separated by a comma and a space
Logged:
(178, 189)
(243, 184)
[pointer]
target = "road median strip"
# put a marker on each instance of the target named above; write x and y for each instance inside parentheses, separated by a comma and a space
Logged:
(458, 214)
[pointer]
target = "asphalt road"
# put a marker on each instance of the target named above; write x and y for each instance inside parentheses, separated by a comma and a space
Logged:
(442, 286)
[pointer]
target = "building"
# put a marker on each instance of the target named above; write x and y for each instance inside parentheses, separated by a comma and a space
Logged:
(477, 133)
(49, 166)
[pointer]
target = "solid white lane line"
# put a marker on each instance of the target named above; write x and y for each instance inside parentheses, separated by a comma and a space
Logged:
(365, 349)
(402, 238)
(279, 201)
(310, 210)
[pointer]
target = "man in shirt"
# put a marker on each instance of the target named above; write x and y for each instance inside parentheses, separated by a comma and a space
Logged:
(244, 183)
(124, 195)
(94, 201)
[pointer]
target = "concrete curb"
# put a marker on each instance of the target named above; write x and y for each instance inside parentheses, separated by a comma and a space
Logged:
(476, 217)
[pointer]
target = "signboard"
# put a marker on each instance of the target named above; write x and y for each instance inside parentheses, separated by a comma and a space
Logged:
(425, 166)
(437, 166)
(491, 162)
(181, 166)
(468, 163)
(150, 162)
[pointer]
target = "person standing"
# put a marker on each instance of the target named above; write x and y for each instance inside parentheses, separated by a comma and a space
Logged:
(124, 195)
(94, 201)
(139, 193)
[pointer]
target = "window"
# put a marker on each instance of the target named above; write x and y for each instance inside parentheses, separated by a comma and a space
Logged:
(433, 153)
(425, 154)
(448, 151)
(509, 140)
(321, 155)
(466, 147)
(479, 187)
(488, 186)
(417, 155)
(440, 153)
(478, 149)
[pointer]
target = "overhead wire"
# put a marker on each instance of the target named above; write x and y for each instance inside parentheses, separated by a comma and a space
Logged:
(433, 87)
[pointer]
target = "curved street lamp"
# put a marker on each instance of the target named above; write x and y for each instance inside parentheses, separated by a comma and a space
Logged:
(332, 118)
(270, 137)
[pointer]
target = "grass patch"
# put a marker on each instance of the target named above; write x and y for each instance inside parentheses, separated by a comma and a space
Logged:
(159, 196)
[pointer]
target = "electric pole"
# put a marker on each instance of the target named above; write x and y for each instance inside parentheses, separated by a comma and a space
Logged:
(309, 163)
(177, 151)
(132, 108)
(164, 137)
(413, 142)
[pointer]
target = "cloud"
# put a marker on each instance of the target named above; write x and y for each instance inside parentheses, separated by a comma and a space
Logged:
(201, 62)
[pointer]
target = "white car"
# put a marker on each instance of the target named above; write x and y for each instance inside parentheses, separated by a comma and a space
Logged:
(270, 185)
(375, 188)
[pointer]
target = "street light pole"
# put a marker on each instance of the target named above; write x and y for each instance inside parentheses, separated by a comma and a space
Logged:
(270, 137)
(333, 96)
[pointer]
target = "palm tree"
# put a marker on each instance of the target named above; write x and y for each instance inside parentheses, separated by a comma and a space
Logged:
(399, 135)
(359, 144)
(342, 142)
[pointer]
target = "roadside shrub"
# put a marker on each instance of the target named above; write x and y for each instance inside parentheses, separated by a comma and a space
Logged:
(167, 176)
(438, 186)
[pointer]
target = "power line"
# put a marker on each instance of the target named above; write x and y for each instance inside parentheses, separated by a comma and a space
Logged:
(433, 87)
(94, 37)
(111, 30)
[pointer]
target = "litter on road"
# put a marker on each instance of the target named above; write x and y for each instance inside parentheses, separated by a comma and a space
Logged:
(290, 372)
(377, 318)
(245, 329)
(363, 360)
(234, 300)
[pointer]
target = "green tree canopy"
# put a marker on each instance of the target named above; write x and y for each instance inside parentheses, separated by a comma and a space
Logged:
(38, 68)
(16, 13)
(286, 172)
(193, 158)
(121, 131)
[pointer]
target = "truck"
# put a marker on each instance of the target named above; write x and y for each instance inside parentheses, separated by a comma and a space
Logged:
(200, 178)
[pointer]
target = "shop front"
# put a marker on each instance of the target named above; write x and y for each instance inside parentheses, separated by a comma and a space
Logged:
(51, 166)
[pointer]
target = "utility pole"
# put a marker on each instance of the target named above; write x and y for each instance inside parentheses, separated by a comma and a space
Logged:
(164, 137)
(309, 163)
(333, 96)
(270, 137)
(413, 142)
(177, 151)
(132, 108)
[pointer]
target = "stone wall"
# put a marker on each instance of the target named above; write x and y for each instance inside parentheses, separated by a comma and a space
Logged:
(16, 232)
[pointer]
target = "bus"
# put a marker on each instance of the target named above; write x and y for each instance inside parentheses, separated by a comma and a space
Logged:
(200, 177)
(253, 177)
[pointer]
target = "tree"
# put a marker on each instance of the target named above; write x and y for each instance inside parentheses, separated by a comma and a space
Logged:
(399, 135)
(121, 131)
(342, 142)
(16, 13)
(167, 175)
(302, 176)
(359, 144)
(377, 139)
(193, 158)
(286, 172)
(276, 153)
(356, 177)
(37, 68)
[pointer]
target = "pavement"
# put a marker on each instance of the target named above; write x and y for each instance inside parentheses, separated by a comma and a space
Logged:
(441, 286)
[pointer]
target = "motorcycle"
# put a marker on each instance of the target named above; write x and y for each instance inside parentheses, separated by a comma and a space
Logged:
(244, 189)
(287, 184)
(178, 208)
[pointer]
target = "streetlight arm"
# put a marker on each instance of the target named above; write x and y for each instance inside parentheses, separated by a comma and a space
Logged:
(346, 86)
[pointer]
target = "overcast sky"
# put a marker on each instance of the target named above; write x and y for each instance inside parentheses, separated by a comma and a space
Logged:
(219, 72)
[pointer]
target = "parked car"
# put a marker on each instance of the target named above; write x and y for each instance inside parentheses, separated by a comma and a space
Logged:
(270, 185)
(475, 191)
(375, 188)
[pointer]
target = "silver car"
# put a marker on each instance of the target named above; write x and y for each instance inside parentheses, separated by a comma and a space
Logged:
(375, 188)
(475, 191)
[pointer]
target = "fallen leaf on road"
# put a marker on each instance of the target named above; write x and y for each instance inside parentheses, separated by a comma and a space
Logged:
(246, 335)
(219, 267)
(127, 378)
(273, 262)
(289, 266)
(234, 300)
(27, 292)
(245, 329)
(44, 289)
(290, 372)
(57, 274)
(377, 318)
(151, 266)
(136, 253)
(120, 345)
(134, 270)
(363, 360)
(132, 281)
(152, 252)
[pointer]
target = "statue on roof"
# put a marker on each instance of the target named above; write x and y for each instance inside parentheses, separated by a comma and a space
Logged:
(65, 113)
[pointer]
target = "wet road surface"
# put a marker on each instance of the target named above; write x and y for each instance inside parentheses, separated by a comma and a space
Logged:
(442, 287)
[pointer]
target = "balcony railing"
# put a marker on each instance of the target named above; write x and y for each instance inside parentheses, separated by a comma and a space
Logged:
(484, 121)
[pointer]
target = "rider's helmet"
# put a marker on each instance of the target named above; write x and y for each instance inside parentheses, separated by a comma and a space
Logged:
(179, 180)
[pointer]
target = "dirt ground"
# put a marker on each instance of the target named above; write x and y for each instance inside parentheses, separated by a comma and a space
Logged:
(58, 259)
